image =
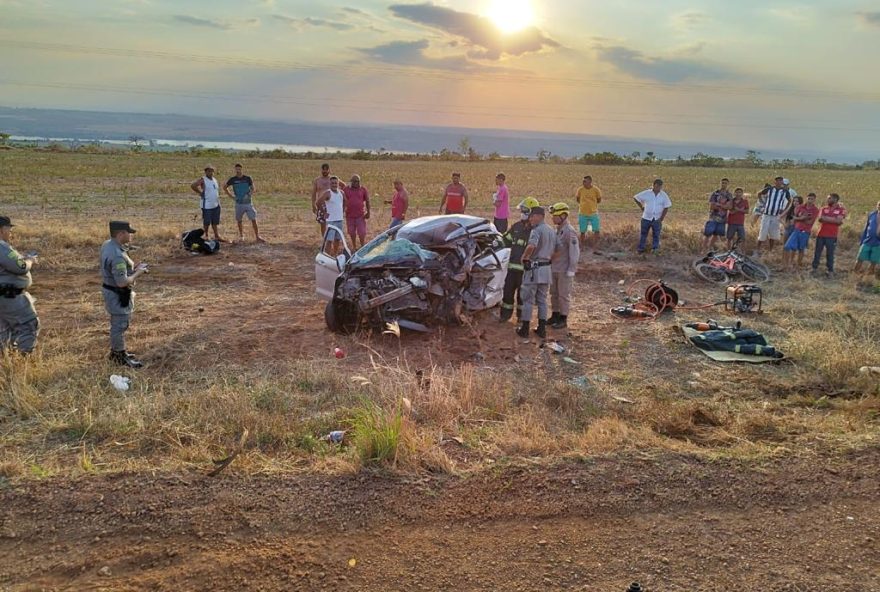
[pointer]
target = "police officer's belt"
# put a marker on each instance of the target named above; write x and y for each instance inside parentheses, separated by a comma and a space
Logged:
(123, 293)
(116, 289)
(10, 291)
(539, 264)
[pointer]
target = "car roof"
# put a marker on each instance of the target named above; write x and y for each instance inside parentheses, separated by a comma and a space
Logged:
(437, 230)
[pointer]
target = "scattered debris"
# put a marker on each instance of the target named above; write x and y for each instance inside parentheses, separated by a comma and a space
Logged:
(352, 562)
(870, 369)
(622, 399)
(120, 383)
(335, 437)
(338, 352)
(455, 439)
(361, 380)
(555, 347)
(582, 382)
(222, 463)
(572, 361)
(105, 572)
(407, 404)
(392, 328)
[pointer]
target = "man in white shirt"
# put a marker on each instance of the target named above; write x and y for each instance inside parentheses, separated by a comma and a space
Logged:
(208, 189)
(654, 203)
(334, 202)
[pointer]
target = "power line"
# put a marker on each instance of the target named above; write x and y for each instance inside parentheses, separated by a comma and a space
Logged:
(398, 107)
(409, 71)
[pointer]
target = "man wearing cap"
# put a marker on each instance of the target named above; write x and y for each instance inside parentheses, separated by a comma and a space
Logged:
(655, 204)
(19, 324)
(119, 274)
(563, 265)
(776, 206)
(516, 239)
(537, 274)
(208, 189)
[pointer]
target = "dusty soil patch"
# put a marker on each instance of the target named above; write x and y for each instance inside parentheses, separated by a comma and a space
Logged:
(674, 523)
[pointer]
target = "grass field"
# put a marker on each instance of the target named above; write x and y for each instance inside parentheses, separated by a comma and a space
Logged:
(237, 341)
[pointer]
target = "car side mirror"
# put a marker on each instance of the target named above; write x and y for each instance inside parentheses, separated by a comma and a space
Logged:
(341, 260)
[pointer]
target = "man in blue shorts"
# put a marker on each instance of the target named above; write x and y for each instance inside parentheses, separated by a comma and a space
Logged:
(719, 205)
(804, 217)
(870, 249)
(208, 189)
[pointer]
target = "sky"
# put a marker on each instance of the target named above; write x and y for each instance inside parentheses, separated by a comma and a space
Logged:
(759, 74)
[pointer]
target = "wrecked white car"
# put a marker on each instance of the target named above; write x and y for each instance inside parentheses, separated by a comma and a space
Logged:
(430, 270)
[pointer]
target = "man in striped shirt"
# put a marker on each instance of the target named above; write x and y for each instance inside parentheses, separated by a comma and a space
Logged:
(775, 206)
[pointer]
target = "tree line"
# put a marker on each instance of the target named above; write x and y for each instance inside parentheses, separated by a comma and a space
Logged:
(465, 152)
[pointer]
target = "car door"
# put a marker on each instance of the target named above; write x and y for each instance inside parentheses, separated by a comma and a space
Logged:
(328, 267)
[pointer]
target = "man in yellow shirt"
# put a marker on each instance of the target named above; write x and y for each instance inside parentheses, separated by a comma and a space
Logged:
(589, 197)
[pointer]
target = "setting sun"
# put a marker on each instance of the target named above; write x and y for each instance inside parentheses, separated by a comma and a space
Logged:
(511, 15)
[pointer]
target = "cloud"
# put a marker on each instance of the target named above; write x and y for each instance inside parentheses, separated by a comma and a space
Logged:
(799, 15)
(412, 53)
(201, 22)
(689, 19)
(309, 22)
(662, 69)
(488, 41)
(870, 18)
(214, 24)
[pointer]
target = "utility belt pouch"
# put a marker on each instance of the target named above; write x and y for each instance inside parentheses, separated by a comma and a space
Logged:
(9, 291)
(124, 294)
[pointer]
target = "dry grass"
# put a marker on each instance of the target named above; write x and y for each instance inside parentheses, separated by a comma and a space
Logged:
(256, 357)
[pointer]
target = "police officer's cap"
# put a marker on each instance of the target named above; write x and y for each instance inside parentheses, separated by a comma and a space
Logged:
(5, 221)
(117, 225)
(537, 210)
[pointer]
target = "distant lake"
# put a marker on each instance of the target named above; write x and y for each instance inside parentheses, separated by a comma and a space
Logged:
(159, 143)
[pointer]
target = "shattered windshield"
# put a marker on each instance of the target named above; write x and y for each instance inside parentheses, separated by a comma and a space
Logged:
(438, 230)
(387, 250)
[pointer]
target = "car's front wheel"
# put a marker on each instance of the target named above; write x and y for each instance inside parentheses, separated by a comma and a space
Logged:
(341, 317)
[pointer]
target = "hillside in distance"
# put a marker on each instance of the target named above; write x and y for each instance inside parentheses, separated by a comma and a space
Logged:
(98, 125)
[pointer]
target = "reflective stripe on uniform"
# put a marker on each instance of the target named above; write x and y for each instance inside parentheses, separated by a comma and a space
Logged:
(516, 266)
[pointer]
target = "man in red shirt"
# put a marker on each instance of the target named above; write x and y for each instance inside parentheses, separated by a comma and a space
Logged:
(399, 204)
(802, 220)
(736, 218)
(455, 197)
(357, 211)
(830, 219)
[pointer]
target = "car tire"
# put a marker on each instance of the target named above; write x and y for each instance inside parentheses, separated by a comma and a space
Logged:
(340, 318)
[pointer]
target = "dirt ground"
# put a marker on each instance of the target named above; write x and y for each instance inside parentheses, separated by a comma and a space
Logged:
(672, 523)
(499, 518)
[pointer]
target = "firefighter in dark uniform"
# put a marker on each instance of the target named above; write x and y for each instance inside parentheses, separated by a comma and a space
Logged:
(516, 238)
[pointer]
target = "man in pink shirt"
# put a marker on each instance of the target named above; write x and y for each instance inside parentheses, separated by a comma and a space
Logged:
(501, 200)
(399, 204)
(357, 211)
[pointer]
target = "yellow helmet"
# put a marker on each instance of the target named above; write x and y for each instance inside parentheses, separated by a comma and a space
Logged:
(526, 205)
(559, 208)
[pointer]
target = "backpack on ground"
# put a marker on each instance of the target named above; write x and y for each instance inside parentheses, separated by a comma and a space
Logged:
(194, 242)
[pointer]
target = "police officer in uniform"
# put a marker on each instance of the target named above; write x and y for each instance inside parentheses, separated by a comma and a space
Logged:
(119, 273)
(536, 276)
(516, 238)
(563, 265)
(19, 324)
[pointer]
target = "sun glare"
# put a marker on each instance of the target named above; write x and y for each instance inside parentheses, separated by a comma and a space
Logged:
(511, 15)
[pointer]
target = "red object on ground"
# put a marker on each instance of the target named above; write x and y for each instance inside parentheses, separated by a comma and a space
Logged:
(338, 353)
